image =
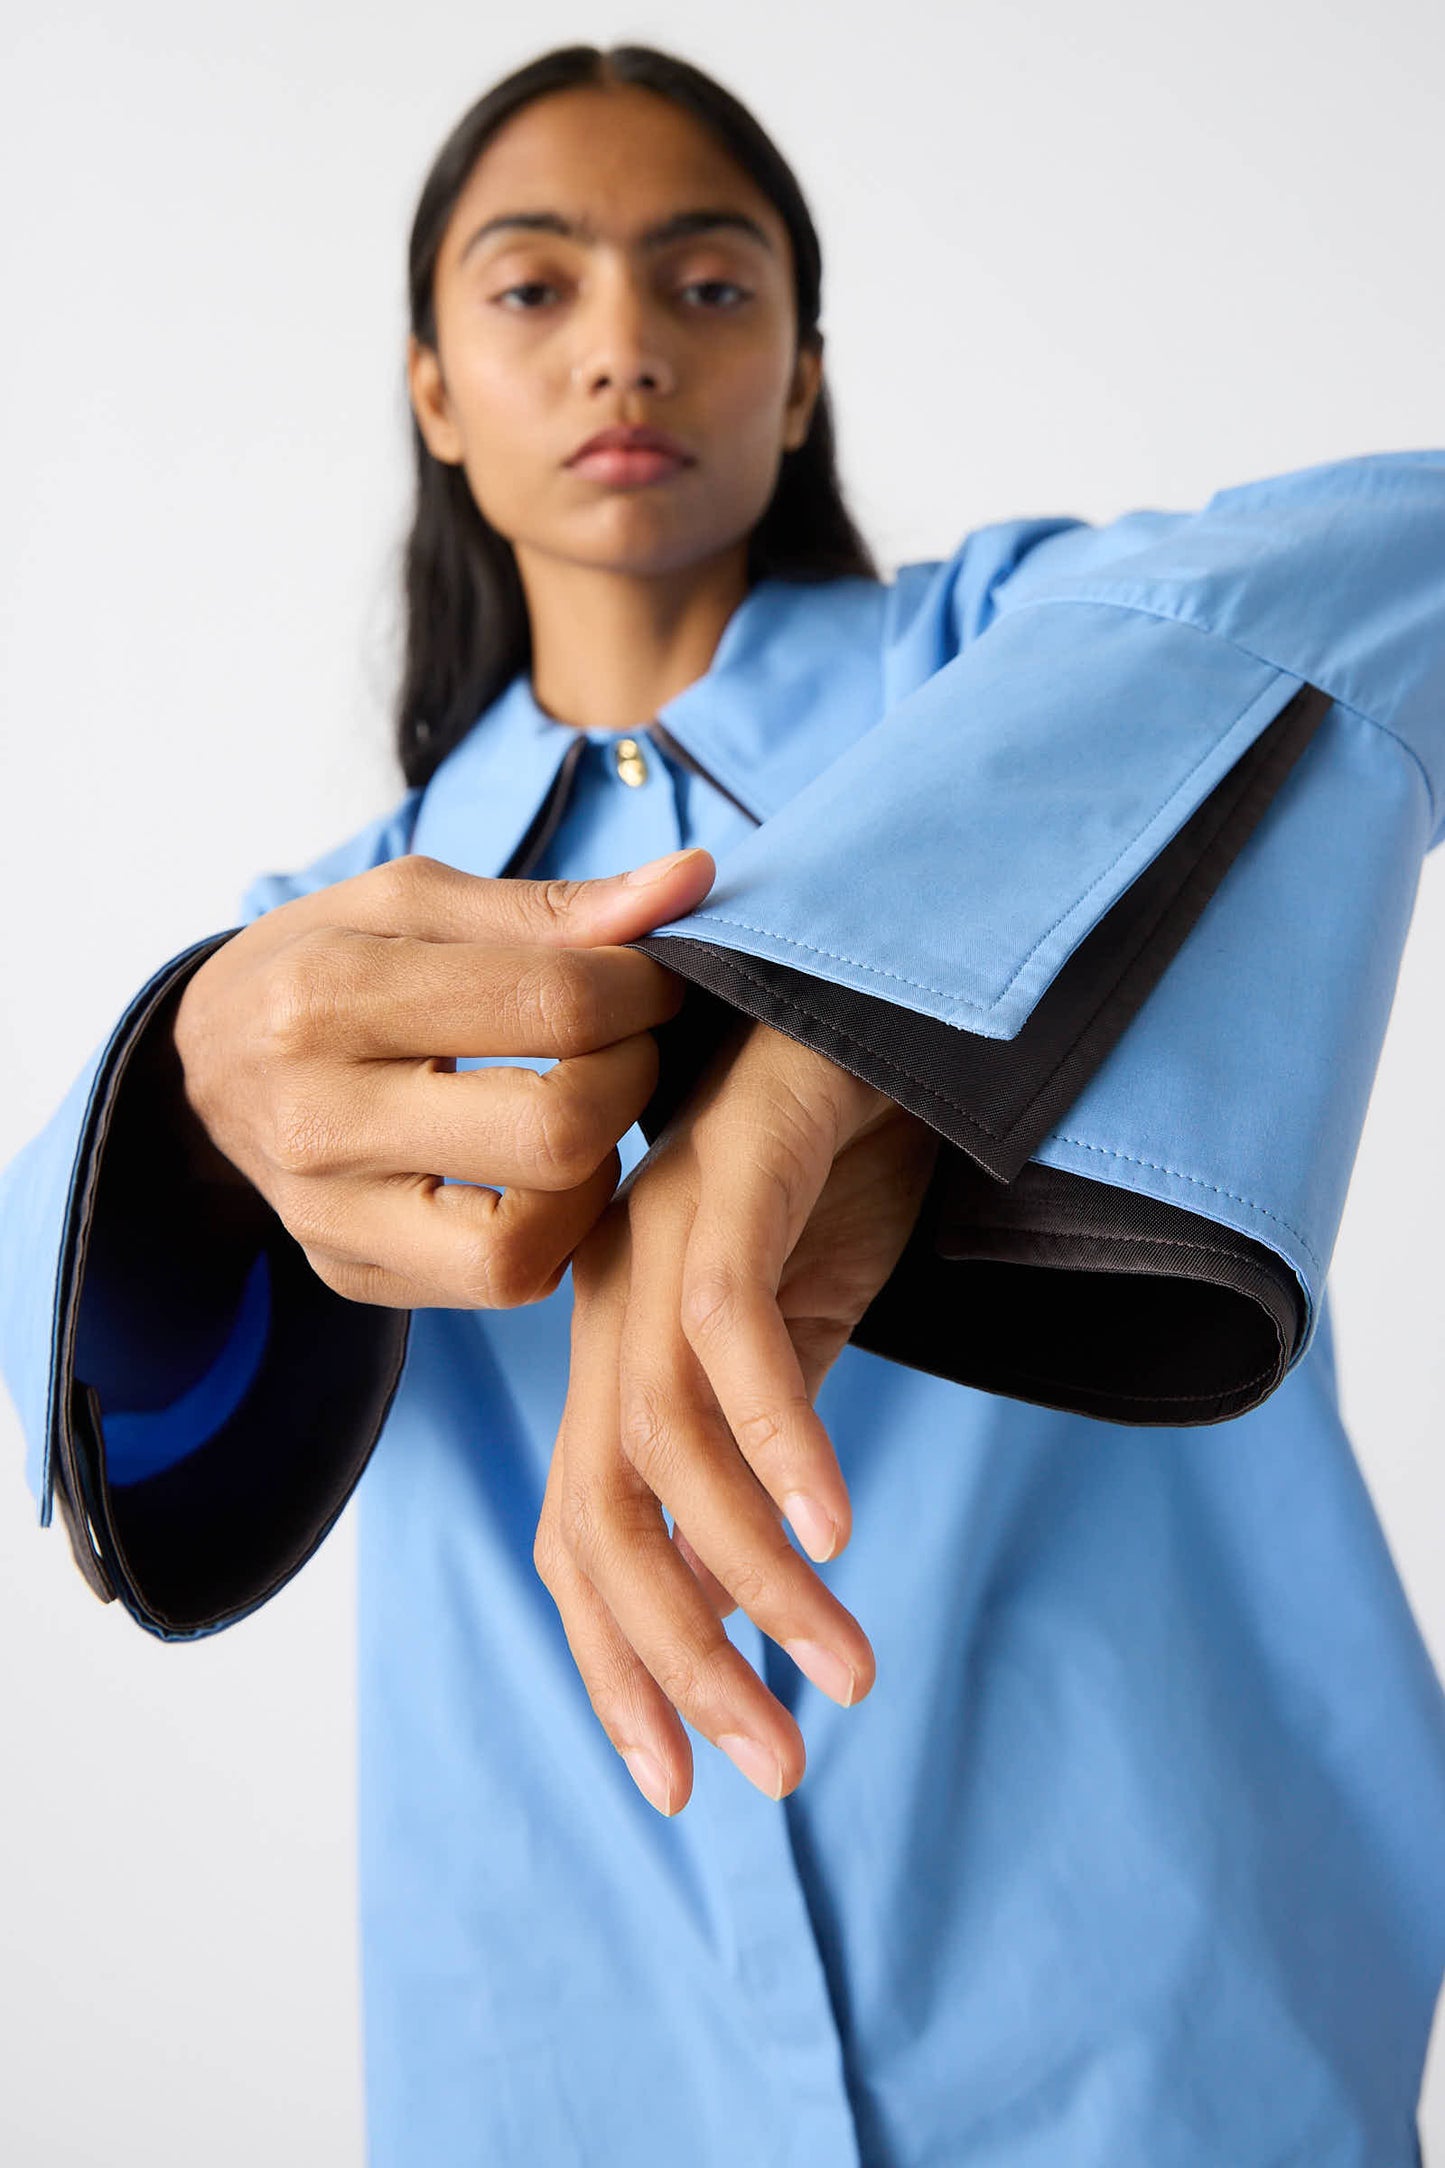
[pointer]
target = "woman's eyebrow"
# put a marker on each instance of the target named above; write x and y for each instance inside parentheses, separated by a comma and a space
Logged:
(680, 226)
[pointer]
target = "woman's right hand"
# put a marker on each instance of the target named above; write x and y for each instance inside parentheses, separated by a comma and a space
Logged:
(319, 1044)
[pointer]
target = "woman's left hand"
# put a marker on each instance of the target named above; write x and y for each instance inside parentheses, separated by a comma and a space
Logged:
(710, 1299)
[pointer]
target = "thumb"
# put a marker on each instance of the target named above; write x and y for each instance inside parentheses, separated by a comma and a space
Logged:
(619, 906)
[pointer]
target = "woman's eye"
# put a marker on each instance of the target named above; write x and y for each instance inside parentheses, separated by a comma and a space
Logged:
(527, 286)
(713, 285)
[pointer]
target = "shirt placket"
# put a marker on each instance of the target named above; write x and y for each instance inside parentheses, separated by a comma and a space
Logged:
(624, 802)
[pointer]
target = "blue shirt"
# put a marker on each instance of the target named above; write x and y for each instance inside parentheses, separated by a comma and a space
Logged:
(1132, 1856)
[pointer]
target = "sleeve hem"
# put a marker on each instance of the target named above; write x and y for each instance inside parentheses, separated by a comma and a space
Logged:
(59, 1475)
(205, 1540)
(208, 1540)
(1078, 1295)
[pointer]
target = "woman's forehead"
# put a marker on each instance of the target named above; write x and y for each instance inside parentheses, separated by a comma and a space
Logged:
(613, 164)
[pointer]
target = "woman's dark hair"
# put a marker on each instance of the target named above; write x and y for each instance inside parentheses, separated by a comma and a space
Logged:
(467, 629)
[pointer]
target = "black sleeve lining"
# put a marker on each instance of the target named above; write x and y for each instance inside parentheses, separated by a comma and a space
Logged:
(208, 1539)
(1077, 1294)
(211, 1538)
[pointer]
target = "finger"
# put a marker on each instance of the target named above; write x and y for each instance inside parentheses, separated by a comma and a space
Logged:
(679, 1443)
(614, 1533)
(419, 1243)
(742, 1235)
(536, 1130)
(335, 992)
(619, 1541)
(431, 901)
(678, 1440)
(733, 1324)
(627, 1701)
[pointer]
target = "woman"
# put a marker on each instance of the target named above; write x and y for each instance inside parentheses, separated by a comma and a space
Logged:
(964, 1174)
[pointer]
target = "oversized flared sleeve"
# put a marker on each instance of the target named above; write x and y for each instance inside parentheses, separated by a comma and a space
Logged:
(1115, 900)
(198, 1402)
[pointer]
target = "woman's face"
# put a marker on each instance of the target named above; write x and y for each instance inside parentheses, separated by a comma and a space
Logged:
(545, 336)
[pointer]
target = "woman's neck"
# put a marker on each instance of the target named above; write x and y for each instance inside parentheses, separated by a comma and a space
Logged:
(610, 648)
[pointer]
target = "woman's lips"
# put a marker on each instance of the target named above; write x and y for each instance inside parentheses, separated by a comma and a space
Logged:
(627, 466)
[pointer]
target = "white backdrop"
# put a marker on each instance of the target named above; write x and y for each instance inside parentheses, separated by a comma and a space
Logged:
(1076, 260)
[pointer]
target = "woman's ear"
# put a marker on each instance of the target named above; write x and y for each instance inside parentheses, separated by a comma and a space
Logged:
(803, 395)
(429, 402)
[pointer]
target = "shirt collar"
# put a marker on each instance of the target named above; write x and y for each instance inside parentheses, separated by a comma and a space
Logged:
(782, 696)
(483, 797)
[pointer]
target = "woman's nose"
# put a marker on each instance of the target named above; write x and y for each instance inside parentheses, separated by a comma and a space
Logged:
(620, 350)
(623, 368)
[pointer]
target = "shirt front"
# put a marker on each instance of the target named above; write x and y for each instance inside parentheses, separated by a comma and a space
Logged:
(1123, 1859)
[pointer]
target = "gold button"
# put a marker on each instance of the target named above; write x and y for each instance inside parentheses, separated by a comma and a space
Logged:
(630, 764)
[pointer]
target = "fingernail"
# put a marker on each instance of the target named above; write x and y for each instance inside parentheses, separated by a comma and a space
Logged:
(817, 1531)
(825, 1670)
(647, 1775)
(759, 1763)
(655, 868)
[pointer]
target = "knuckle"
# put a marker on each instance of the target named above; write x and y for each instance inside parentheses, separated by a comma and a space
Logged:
(500, 1272)
(480, 1273)
(579, 1525)
(758, 1432)
(607, 1692)
(645, 1434)
(546, 1552)
(520, 1275)
(751, 1581)
(295, 1003)
(407, 877)
(285, 1025)
(691, 1675)
(554, 898)
(610, 1675)
(567, 1004)
(786, 1166)
(560, 1139)
(302, 1139)
(709, 1303)
(679, 1674)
